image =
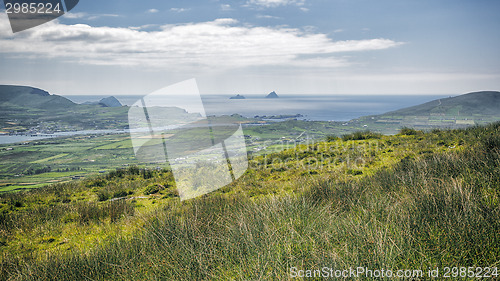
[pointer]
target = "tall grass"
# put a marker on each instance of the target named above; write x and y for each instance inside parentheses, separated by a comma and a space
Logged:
(439, 209)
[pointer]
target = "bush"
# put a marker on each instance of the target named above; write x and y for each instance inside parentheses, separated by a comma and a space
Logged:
(102, 195)
(354, 172)
(120, 193)
(408, 131)
(361, 135)
(96, 183)
(170, 193)
(153, 188)
(331, 138)
(146, 174)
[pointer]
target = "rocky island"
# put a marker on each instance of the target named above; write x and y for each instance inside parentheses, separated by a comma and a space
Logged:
(272, 95)
(237, 97)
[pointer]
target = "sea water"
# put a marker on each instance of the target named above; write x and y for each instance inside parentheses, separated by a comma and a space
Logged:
(311, 107)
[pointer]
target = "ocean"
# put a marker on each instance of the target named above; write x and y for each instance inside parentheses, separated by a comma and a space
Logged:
(312, 107)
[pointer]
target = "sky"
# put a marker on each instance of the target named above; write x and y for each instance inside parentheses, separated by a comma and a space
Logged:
(335, 47)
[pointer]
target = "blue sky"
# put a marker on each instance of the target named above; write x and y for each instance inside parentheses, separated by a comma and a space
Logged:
(257, 46)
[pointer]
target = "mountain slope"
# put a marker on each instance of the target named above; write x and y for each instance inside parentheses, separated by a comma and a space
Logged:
(485, 103)
(110, 102)
(478, 108)
(27, 109)
(29, 97)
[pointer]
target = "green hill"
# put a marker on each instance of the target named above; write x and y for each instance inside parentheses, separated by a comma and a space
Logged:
(27, 109)
(477, 103)
(29, 97)
(478, 108)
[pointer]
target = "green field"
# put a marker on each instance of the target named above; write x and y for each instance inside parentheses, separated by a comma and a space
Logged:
(88, 155)
(60, 159)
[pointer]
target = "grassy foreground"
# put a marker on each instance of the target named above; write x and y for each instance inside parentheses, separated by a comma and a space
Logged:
(411, 201)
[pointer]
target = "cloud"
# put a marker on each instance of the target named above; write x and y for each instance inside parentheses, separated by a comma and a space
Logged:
(275, 3)
(267, 17)
(70, 15)
(421, 77)
(320, 62)
(179, 10)
(97, 16)
(221, 44)
(145, 26)
(87, 16)
(225, 7)
(153, 11)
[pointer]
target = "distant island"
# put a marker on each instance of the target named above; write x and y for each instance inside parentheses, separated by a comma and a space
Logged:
(237, 97)
(272, 95)
(279, 117)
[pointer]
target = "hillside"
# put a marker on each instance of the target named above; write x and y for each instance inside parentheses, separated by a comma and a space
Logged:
(31, 110)
(8, 92)
(478, 108)
(29, 97)
(410, 201)
(106, 102)
(110, 102)
(477, 103)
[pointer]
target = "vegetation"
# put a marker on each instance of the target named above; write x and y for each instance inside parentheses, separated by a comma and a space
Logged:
(409, 131)
(30, 110)
(359, 135)
(29, 165)
(416, 201)
(42, 162)
(477, 108)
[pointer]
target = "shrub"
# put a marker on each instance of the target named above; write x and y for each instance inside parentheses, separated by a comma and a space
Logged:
(408, 131)
(361, 135)
(120, 193)
(153, 188)
(170, 193)
(102, 195)
(96, 183)
(331, 138)
(355, 172)
(146, 174)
